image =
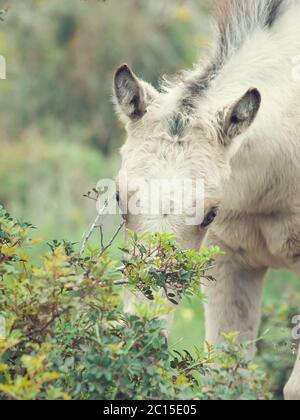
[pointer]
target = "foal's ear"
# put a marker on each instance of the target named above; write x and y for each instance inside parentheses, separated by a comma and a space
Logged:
(241, 115)
(132, 95)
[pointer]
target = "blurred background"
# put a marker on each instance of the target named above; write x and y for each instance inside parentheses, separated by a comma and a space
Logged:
(59, 134)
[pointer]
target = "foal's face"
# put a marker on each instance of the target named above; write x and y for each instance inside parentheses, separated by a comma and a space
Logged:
(173, 164)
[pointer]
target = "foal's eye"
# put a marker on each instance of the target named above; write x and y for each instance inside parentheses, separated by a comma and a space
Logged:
(121, 205)
(210, 217)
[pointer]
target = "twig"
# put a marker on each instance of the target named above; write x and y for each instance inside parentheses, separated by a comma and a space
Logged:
(90, 231)
(121, 282)
(47, 325)
(106, 247)
(101, 236)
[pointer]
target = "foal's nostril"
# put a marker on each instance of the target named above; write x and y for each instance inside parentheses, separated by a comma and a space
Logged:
(118, 197)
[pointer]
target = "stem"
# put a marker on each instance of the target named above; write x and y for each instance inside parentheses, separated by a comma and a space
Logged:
(90, 231)
(106, 247)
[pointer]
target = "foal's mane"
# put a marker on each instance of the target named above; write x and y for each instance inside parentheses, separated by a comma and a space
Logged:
(235, 21)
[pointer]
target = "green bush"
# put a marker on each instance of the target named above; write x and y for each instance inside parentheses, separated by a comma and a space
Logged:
(67, 336)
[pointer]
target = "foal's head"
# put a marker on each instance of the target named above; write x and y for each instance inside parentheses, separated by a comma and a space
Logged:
(174, 137)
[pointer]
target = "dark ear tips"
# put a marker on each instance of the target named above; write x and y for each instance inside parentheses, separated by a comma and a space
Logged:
(122, 67)
(132, 96)
(129, 93)
(256, 99)
(242, 114)
(256, 93)
(246, 109)
(123, 70)
(124, 77)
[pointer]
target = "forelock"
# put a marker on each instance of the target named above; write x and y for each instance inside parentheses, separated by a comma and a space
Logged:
(178, 124)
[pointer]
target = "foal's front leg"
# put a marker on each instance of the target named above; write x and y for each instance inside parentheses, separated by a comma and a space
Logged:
(234, 299)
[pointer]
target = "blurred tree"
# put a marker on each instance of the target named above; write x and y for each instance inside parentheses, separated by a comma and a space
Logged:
(61, 57)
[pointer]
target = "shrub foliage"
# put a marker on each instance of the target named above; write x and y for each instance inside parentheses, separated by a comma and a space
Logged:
(67, 336)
